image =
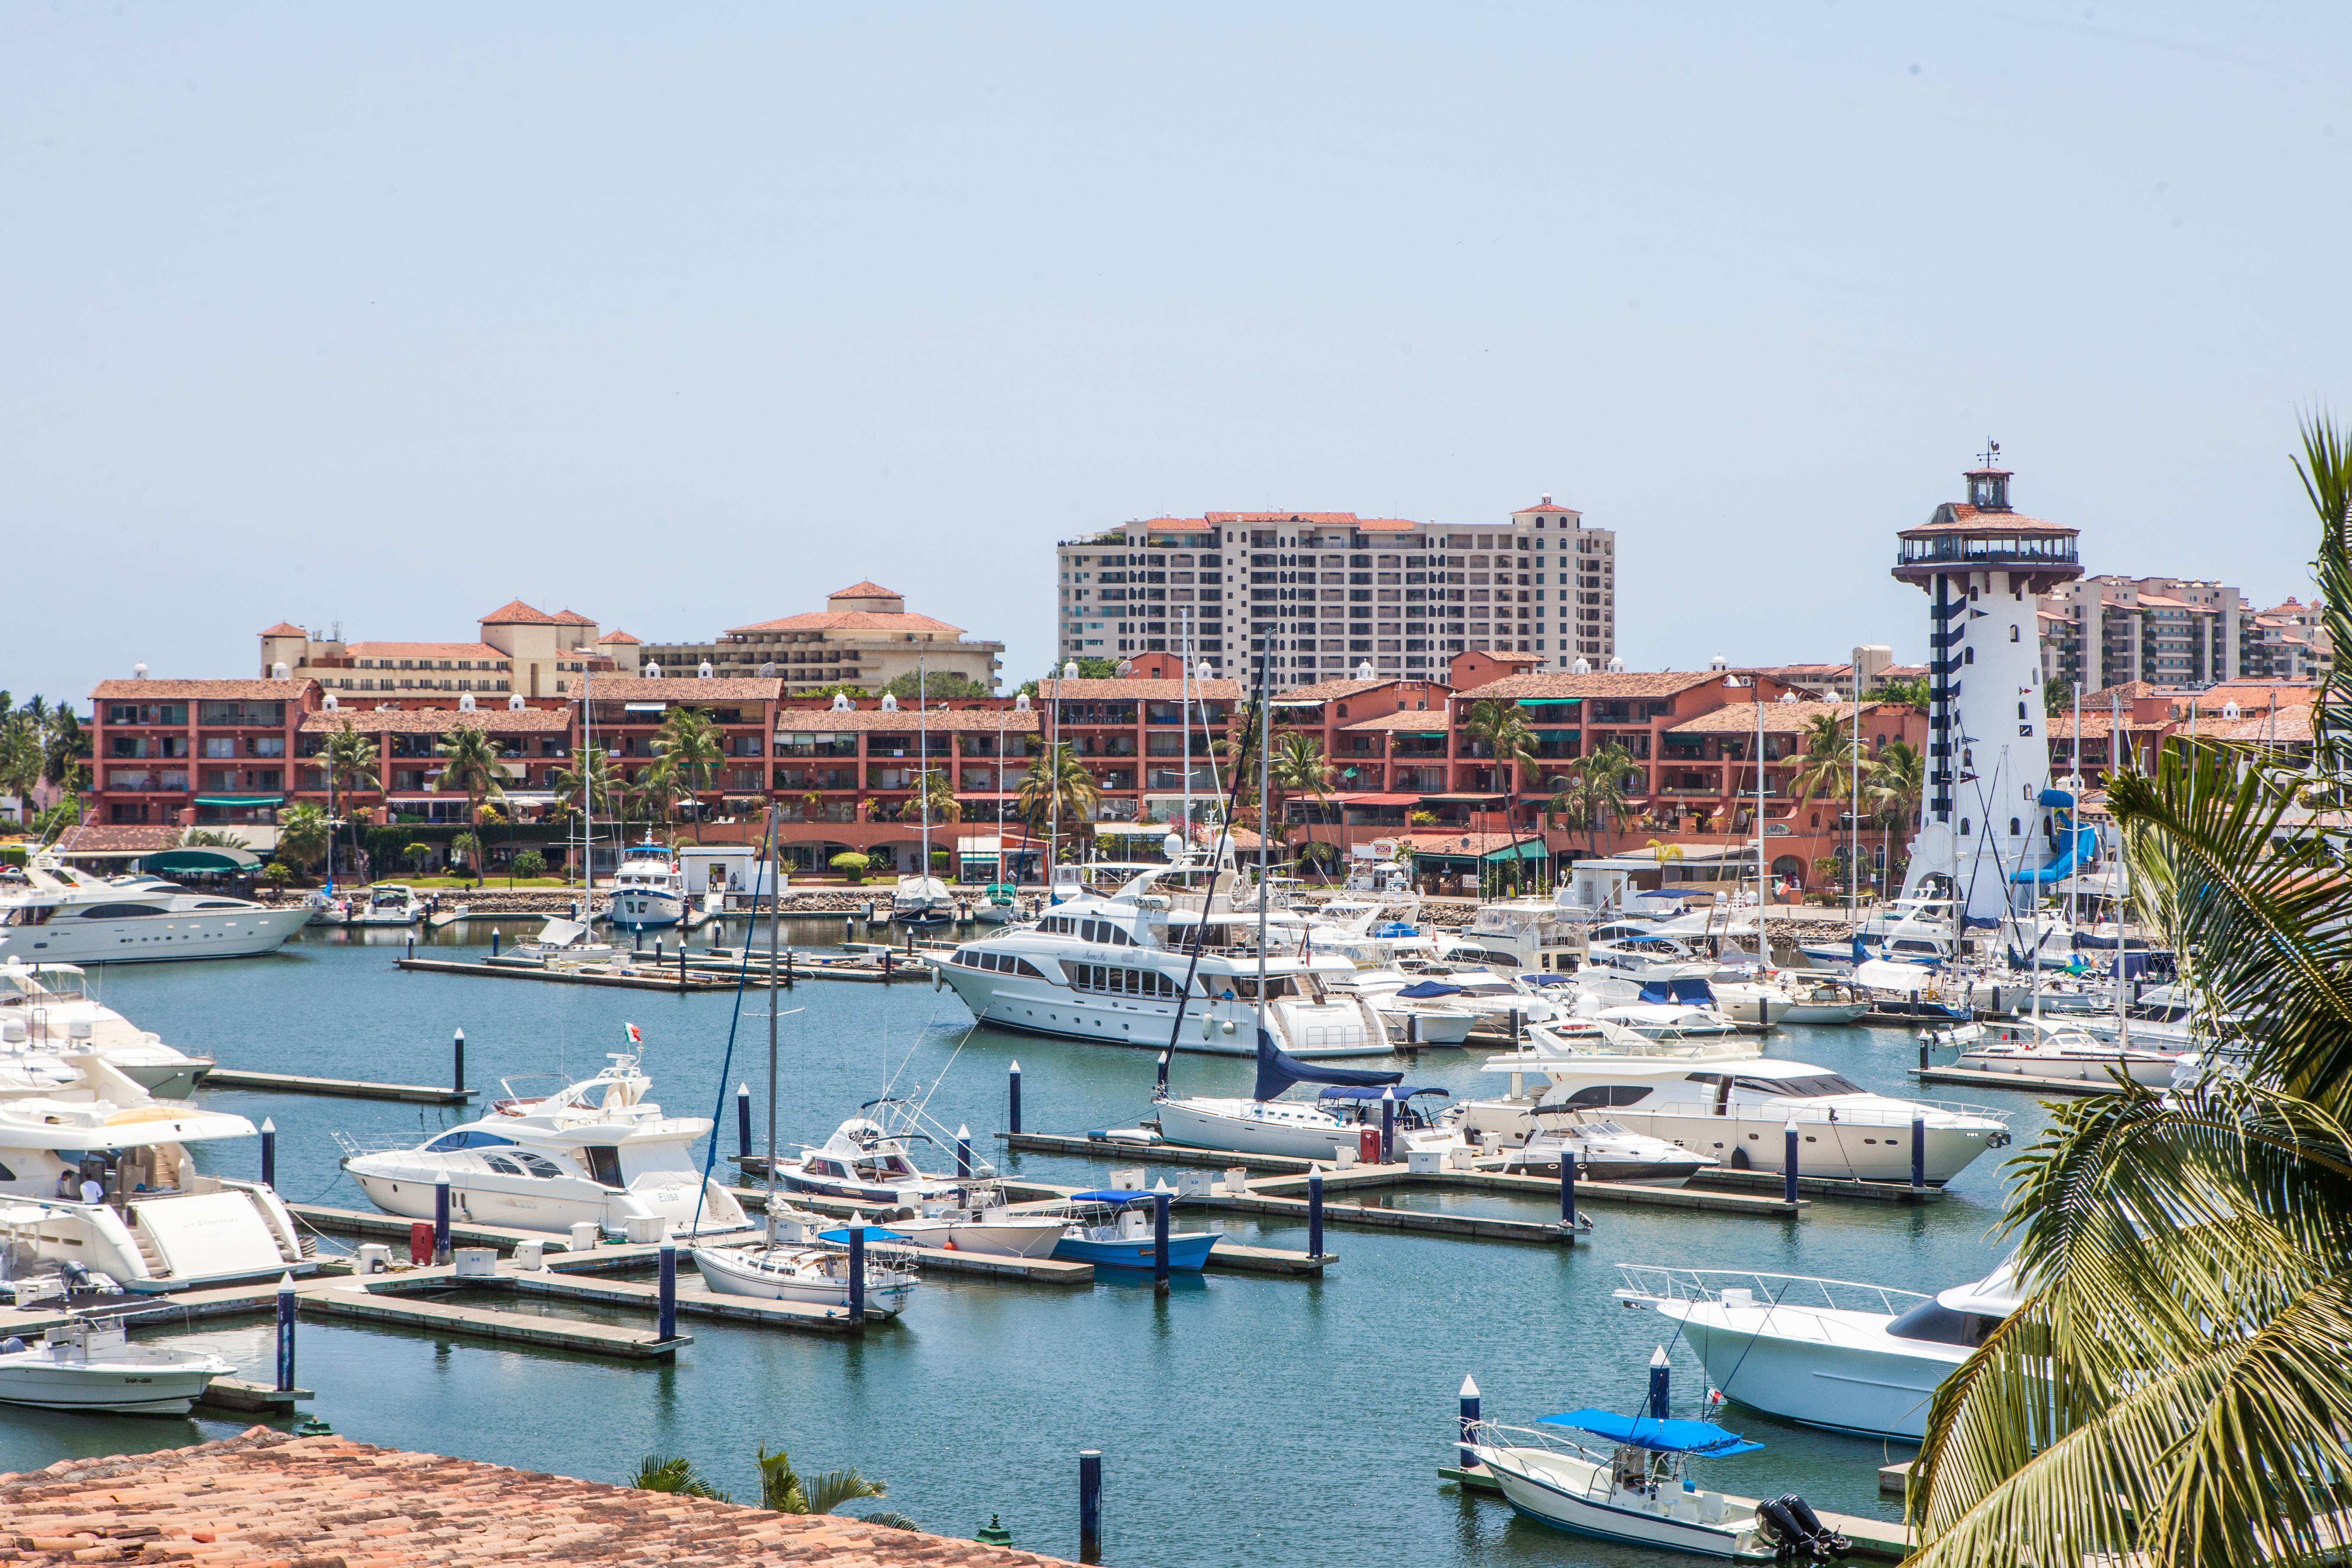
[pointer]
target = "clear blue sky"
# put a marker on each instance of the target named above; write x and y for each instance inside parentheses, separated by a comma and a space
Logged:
(683, 316)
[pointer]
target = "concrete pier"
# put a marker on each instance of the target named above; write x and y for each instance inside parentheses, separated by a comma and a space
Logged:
(646, 978)
(2017, 1082)
(335, 1088)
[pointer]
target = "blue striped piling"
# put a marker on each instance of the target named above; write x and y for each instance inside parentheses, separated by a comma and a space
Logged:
(857, 1273)
(1918, 1153)
(669, 1290)
(1567, 1191)
(1160, 1243)
(1789, 1163)
(457, 1066)
(1661, 1377)
(1388, 1126)
(1013, 1095)
(441, 1222)
(743, 1121)
(494, 942)
(1161, 1083)
(268, 1152)
(1315, 1213)
(286, 1333)
(963, 1153)
(1469, 1420)
(1090, 1505)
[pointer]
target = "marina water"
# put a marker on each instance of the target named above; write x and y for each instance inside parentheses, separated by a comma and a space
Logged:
(1243, 1419)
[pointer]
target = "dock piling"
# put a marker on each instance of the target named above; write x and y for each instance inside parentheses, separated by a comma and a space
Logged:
(1469, 1419)
(857, 1274)
(458, 1061)
(1918, 1153)
(1090, 1505)
(286, 1333)
(1789, 1163)
(963, 1153)
(1923, 1050)
(1567, 1191)
(1012, 1094)
(681, 964)
(1661, 1384)
(1315, 1212)
(1160, 1243)
(412, 944)
(441, 1222)
(1388, 1126)
(494, 942)
(742, 1119)
(268, 1152)
(668, 1307)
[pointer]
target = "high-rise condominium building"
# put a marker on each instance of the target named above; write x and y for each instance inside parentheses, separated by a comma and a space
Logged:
(2112, 630)
(1326, 592)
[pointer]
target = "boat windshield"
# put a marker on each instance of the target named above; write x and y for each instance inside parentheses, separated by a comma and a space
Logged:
(1813, 1086)
(1938, 1324)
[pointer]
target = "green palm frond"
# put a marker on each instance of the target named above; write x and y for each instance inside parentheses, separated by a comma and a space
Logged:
(657, 1473)
(886, 1520)
(831, 1489)
(2325, 470)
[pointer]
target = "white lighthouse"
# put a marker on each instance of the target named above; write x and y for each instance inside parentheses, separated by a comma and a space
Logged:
(1989, 820)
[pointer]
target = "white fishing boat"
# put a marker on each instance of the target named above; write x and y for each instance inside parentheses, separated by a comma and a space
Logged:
(1603, 1151)
(47, 1009)
(387, 904)
(2049, 1049)
(1416, 1011)
(559, 942)
(598, 1151)
(1338, 1118)
(90, 1366)
(799, 1272)
(648, 891)
(865, 1162)
(1850, 1357)
(975, 1218)
(50, 913)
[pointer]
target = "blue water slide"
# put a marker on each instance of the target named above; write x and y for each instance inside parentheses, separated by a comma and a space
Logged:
(2077, 845)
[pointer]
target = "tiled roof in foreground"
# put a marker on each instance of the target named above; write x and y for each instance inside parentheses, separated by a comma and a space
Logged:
(267, 1498)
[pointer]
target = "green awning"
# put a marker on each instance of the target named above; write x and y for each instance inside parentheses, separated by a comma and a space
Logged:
(1558, 734)
(1549, 702)
(240, 800)
(206, 859)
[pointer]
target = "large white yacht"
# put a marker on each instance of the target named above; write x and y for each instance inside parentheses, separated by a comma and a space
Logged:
(648, 891)
(1113, 967)
(45, 1009)
(1827, 1353)
(595, 1151)
(51, 913)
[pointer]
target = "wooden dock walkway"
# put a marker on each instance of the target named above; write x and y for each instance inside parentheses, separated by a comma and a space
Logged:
(694, 1299)
(648, 978)
(238, 1393)
(2016, 1082)
(1841, 1188)
(1885, 1539)
(338, 1087)
(352, 1299)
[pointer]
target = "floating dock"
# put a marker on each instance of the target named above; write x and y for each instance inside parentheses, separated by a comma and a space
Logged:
(338, 1087)
(262, 1398)
(792, 968)
(1842, 1188)
(2016, 1082)
(354, 1299)
(1886, 1539)
(647, 978)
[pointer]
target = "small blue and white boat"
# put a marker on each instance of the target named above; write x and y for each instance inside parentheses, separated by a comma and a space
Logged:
(1113, 1230)
(648, 892)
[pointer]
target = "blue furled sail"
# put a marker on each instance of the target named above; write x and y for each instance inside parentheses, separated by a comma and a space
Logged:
(1278, 1069)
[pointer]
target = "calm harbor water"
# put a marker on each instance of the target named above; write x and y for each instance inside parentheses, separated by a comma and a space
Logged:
(1242, 1420)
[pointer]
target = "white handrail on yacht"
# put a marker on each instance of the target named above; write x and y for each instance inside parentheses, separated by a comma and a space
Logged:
(1661, 1282)
(1777, 1111)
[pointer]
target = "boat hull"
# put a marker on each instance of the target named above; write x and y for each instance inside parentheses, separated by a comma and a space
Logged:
(166, 1081)
(1569, 1494)
(544, 1206)
(996, 1239)
(1031, 1008)
(1808, 1380)
(641, 909)
(31, 1379)
(1187, 1253)
(2151, 1072)
(731, 1276)
(1855, 1150)
(155, 938)
(1196, 1127)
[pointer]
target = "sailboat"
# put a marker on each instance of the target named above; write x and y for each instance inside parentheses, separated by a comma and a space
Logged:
(922, 899)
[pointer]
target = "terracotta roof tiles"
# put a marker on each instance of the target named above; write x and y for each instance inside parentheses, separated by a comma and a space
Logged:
(618, 636)
(1085, 689)
(514, 612)
(869, 589)
(1560, 686)
(267, 1498)
(1780, 718)
(688, 689)
(201, 690)
(851, 621)
(957, 721)
(571, 618)
(284, 629)
(499, 720)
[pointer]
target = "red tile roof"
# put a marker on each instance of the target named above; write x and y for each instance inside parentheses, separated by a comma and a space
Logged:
(1326, 690)
(1959, 516)
(1780, 718)
(960, 721)
(1084, 690)
(264, 1496)
(1509, 656)
(514, 612)
(1560, 685)
(1429, 722)
(95, 837)
(424, 650)
(1547, 504)
(201, 690)
(869, 589)
(571, 618)
(618, 636)
(499, 719)
(284, 629)
(689, 690)
(851, 621)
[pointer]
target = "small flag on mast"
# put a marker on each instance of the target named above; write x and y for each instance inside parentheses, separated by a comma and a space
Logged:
(636, 1038)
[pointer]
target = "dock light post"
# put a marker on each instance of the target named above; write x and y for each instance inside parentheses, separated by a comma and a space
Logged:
(286, 1333)
(268, 1152)
(857, 1273)
(1469, 1420)
(458, 1061)
(1012, 1094)
(1090, 1505)
(963, 1153)
(441, 1222)
(668, 1288)
(1789, 1162)
(1388, 1126)
(1661, 1380)
(1160, 1243)
(1918, 1153)
(743, 1121)
(1315, 1212)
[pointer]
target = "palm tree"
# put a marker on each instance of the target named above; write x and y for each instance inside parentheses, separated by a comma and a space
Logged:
(20, 755)
(2173, 1388)
(1594, 792)
(657, 786)
(304, 834)
(470, 763)
(676, 1474)
(939, 794)
(1299, 767)
(590, 780)
(350, 760)
(64, 750)
(1502, 727)
(785, 1491)
(1897, 778)
(1824, 759)
(1057, 785)
(690, 743)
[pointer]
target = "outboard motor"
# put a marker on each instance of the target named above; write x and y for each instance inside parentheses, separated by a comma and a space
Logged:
(1796, 1532)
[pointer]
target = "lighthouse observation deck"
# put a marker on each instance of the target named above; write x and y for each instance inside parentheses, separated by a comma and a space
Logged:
(1983, 534)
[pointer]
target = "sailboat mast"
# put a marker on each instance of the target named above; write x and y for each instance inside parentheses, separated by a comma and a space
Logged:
(1184, 713)
(923, 773)
(587, 797)
(1853, 804)
(1264, 742)
(775, 891)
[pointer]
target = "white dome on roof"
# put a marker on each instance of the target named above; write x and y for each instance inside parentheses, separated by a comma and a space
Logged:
(1021, 703)
(841, 702)
(703, 672)
(1583, 666)
(1070, 669)
(1364, 671)
(515, 703)
(653, 670)
(889, 702)
(331, 704)
(465, 703)
(1616, 667)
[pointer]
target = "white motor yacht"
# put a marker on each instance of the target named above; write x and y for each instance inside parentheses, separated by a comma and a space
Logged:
(89, 1364)
(1338, 1118)
(1601, 1150)
(1502, 1006)
(1113, 968)
(1749, 991)
(1827, 1353)
(559, 942)
(50, 913)
(865, 1162)
(388, 904)
(1530, 935)
(1677, 1007)
(597, 1151)
(1416, 1011)
(648, 891)
(47, 1008)
(158, 1224)
(793, 1269)
(2050, 1048)
(976, 1218)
